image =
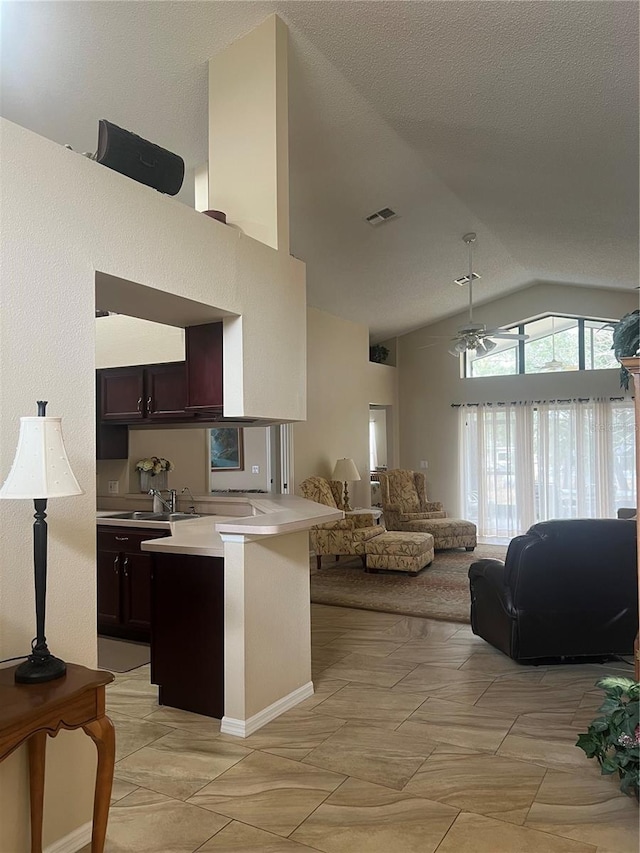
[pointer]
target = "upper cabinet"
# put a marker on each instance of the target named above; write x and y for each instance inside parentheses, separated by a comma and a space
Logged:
(204, 368)
(121, 393)
(150, 392)
(175, 391)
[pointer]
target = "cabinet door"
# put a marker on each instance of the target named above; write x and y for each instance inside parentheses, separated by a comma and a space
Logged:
(166, 390)
(124, 582)
(108, 582)
(122, 394)
(187, 618)
(204, 367)
(136, 572)
(112, 440)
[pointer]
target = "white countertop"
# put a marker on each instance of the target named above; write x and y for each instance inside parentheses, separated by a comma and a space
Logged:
(198, 537)
(276, 515)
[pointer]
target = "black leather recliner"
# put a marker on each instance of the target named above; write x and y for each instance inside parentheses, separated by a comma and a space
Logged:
(567, 588)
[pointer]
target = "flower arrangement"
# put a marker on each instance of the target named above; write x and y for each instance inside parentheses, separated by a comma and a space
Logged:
(154, 465)
(614, 738)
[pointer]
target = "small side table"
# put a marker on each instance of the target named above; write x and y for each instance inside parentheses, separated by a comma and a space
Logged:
(30, 712)
(369, 510)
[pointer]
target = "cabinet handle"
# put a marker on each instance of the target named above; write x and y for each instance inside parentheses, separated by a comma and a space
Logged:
(139, 404)
(149, 400)
(115, 564)
(122, 538)
(125, 567)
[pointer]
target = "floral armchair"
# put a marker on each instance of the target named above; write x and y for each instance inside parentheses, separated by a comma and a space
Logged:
(344, 537)
(404, 500)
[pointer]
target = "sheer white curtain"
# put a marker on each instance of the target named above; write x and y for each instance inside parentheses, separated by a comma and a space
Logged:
(495, 453)
(525, 462)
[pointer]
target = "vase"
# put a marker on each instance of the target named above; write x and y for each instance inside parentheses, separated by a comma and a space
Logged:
(152, 481)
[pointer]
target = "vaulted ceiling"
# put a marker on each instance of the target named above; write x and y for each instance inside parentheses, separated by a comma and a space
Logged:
(517, 120)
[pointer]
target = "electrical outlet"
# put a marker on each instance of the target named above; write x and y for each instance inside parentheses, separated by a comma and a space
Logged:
(424, 463)
(113, 487)
(255, 469)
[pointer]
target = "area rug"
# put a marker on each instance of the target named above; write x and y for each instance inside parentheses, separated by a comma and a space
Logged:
(122, 655)
(439, 592)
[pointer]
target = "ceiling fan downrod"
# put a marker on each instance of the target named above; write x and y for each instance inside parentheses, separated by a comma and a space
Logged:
(470, 239)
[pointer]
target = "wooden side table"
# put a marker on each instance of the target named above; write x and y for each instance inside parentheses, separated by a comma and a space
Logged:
(30, 712)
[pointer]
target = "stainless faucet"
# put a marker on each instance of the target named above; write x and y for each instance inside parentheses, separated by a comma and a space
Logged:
(192, 508)
(169, 505)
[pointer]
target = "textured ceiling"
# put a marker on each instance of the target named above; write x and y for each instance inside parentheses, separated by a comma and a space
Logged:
(518, 120)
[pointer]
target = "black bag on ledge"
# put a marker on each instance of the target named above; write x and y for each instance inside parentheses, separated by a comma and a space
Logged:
(138, 158)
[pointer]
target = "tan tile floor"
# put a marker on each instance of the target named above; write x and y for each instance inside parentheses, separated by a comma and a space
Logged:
(420, 737)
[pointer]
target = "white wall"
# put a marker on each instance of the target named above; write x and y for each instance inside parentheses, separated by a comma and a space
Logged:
(430, 378)
(342, 383)
(65, 217)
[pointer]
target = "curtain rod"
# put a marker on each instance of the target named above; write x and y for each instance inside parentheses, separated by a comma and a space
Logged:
(521, 402)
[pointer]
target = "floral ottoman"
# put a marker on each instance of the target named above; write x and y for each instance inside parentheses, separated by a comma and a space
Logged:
(447, 532)
(399, 551)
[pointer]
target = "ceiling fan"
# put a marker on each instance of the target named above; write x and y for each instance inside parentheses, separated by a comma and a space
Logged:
(475, 336)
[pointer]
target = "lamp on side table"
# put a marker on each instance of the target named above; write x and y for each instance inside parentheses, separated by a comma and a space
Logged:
(345, 470)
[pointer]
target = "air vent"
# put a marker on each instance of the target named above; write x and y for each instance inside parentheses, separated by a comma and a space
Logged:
(381, 216)
(464, 279)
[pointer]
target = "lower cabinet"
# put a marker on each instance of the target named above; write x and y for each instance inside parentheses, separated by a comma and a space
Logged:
(124, 583)
(187, 632)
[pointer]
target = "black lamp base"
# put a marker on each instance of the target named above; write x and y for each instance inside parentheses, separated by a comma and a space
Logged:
(37, 669)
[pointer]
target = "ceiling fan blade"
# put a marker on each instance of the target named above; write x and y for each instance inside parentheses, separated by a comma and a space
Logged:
(426, 346)
(506, 336)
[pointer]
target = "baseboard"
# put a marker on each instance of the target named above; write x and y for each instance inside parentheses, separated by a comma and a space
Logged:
(244, 728)
(72, 842)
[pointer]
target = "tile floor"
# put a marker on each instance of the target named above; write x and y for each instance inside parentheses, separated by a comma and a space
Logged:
(420, 737)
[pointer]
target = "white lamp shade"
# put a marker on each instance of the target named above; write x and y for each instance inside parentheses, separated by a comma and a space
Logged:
(345, 470)
(40, 468)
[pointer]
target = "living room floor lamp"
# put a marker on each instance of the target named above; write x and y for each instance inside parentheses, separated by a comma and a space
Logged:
(40, 471)
(345, 470)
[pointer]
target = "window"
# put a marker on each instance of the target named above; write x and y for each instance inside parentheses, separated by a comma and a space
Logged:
(555, 344)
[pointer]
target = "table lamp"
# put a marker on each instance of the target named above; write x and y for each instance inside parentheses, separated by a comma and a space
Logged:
(345, 469)
(40, 471)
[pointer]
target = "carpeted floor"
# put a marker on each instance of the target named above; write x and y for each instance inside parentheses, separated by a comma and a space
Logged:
(122, 655)
(439, 592)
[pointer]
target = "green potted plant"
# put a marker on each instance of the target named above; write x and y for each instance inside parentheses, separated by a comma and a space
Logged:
(378, 353)
(614, 738)
(626, 342)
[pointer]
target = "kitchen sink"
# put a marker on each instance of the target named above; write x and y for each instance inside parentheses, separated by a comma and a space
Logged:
(153, 516)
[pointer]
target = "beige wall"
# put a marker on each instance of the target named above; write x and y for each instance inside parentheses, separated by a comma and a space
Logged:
(342, 383)
(65, 217)
(264, 572)
(430, 378)
(187, 449)
(249, 134)
(122, 340)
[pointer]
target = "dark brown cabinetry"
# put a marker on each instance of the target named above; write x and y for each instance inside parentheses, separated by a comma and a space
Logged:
(124, 582)
(204, 368)
(187, 631)
(149, 392)
(112, 440)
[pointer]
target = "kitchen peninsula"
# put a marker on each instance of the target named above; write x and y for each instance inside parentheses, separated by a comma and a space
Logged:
(264, 558)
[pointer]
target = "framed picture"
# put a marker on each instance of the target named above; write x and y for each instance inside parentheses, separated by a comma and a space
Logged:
(225, 449)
